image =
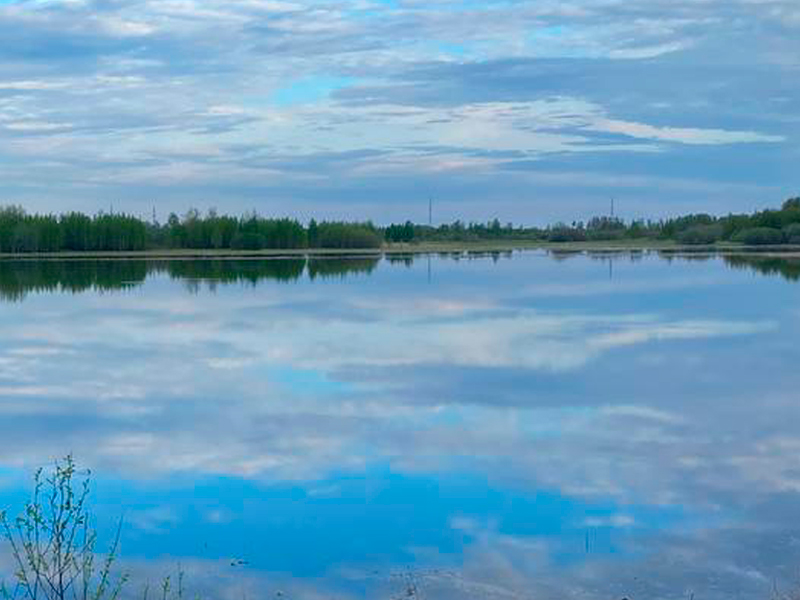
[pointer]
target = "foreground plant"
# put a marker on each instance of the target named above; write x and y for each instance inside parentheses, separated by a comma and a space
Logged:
(53, 543)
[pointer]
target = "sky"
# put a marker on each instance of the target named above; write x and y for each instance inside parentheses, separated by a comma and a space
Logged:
(525, 111)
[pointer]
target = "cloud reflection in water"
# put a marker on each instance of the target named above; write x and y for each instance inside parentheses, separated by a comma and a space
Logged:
(520, 428)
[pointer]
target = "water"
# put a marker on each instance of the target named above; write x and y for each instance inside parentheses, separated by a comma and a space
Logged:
(526, 426)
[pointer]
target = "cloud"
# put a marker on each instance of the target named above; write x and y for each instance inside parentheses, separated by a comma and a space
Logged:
(230, 102)
(683, 135)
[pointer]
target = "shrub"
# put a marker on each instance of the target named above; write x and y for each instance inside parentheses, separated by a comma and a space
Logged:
(339, 235)
(562, 233)
(759, 236)
(700, 234)
(791, 233)
(604, 235)
(53, 543)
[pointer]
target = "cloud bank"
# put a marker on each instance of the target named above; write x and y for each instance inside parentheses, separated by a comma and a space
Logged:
(523, 111)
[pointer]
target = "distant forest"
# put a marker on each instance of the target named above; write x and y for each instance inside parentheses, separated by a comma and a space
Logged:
(21, 232)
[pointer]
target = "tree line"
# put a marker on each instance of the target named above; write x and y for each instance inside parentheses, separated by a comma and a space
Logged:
(766, 227)
(21, 232)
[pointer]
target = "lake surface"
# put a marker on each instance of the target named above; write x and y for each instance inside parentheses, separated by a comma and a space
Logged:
(527, 426)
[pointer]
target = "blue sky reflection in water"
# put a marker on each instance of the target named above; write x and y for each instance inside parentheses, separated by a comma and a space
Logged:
(512, 428)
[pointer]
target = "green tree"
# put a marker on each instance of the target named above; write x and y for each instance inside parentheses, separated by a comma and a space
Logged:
(313, 234)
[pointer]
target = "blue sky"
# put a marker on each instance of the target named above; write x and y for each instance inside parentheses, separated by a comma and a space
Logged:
(524, 111)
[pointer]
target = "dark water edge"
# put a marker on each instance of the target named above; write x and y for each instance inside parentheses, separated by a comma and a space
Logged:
(20, 277)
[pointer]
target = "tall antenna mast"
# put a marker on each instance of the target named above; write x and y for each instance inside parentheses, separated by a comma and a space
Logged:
(430, 212)
(612, 208)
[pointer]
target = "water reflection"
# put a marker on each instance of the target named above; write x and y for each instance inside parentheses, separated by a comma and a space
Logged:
(20, 277)
(788, 268)
(518, 428)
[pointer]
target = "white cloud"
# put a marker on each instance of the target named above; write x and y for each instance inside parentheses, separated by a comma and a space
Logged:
(94, 92)
(682, 135)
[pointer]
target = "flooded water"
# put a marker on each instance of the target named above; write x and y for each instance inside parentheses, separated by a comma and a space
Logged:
(527, 426)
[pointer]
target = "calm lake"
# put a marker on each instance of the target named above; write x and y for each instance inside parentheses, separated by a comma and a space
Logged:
(490, 426)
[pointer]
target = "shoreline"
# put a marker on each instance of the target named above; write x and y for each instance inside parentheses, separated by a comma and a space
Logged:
(405, 249)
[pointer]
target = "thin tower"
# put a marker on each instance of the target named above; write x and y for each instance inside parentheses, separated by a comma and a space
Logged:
(430, 211)
(612, 208)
